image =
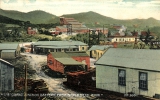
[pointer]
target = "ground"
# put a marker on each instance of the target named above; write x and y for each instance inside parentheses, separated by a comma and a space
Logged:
(55, 85)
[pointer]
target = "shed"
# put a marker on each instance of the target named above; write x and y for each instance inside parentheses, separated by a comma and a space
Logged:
(9, 51)
(80, 56)
(129, 70)
(6, 76)
(62, 63)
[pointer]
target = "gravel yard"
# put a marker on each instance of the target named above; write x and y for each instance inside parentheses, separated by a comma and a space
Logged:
(55, 85)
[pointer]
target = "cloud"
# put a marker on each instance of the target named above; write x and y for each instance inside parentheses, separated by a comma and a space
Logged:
(9, 1)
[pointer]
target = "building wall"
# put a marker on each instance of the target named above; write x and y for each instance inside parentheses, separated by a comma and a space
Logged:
(6, 77)
(123, 39)
(83, 48)
(8, 55)
(80, 30)
(61, 29)
(81, 59)
(54, 64)
(97, 53)
(107, 79)
(76, 25)
(46, 50)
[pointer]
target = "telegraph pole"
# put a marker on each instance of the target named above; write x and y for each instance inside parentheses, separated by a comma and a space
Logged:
(25, 87)
(98, 38)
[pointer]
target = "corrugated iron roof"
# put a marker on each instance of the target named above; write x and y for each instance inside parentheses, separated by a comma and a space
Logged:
(70, 22)
(68, 61)
(4, 61)
(132, 58)
(59, 43)
(11, 46)
(77, 54)
(56, 47)
(60, 55)
(100, 47)
(8, 50)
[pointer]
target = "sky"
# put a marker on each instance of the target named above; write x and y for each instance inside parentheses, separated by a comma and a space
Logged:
(118, 9)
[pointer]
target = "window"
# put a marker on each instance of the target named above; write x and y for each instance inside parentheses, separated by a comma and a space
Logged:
(82, 48)
(58, 50)
(121, 77)
(143, 80)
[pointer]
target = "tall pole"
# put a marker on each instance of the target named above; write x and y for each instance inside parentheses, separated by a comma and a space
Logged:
(25, 91)
(89, 39)
(98, 37)
(103, 29)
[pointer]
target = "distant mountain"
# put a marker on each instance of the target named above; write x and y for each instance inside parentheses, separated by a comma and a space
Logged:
(92, 17)
(38, 17)
(35, 17)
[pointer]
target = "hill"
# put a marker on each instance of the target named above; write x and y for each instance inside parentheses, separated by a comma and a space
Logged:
(92, 17)
(7, 20)
(35, 17)
(42, 17)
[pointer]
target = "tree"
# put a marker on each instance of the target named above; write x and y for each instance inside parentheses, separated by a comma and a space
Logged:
(134, 33)
(109, 33)
(1, 35)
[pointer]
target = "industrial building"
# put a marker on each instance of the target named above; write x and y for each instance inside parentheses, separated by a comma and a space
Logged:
(6, 76)
(134, 71)
(43, 47)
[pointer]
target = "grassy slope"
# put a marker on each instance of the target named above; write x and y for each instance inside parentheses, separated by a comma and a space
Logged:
(36, 17)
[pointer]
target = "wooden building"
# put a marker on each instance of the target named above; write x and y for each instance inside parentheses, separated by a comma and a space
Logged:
(6, 76)
(80, 56)
(122, 39)
(43, 47)
(9, 51)
(129, 70)
(96, 51)
(62, 62)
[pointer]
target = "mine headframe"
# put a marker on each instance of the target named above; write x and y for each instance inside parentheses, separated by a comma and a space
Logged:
(69, 29)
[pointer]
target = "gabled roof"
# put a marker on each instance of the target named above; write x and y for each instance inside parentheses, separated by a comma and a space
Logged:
(59, 43)
(60, 55)
(144, 59)
(7, 46)
(8, 50)
(6, 62)
(58, 47)
(77, 54)
(68, 61)
(100, 47)
(65, 59)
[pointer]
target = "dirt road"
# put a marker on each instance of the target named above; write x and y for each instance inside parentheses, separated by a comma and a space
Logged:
(54, 84)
